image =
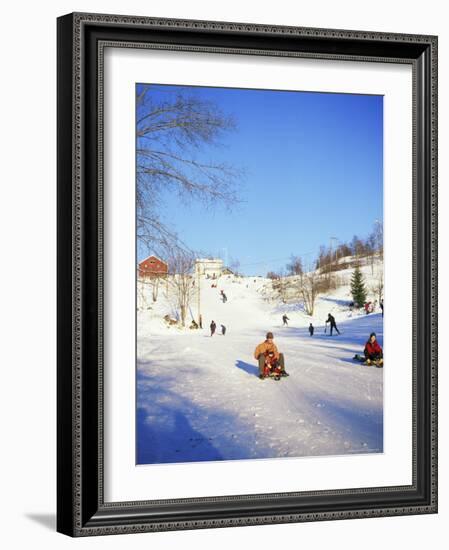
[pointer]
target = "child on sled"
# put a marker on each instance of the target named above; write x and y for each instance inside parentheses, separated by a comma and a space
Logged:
(272, 367)
(372, 354)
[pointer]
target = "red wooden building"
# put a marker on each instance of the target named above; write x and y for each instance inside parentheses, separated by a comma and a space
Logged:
(153, 267)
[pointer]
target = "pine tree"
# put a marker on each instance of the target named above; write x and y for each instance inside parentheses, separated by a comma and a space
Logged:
(358, 289)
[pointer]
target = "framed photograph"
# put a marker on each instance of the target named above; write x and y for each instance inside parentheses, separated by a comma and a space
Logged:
(247, 274)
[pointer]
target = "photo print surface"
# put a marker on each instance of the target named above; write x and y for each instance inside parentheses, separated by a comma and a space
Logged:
(259, 274)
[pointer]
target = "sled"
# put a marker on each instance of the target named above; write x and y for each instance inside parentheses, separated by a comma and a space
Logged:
(273, 376)
(276, 373)
(379, 363)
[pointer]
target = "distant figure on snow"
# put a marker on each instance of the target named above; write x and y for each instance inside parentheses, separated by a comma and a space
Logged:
(223, 296)
(223, 329)
(268, 350)
(333, 324)
(201, 321)
(311, 329)
(194, 324)
(285, 319)
(373, 352)
(381, 303)
(213, 326)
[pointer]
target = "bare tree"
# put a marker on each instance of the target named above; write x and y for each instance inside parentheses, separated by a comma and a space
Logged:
(378, 286)
(310, 285)
(281, 285)
(295, 265)
(155, 287)
(142, 293)
(344, 250)
(323, 259)
(357, 247)
(173, 125)
(371, 242)
(378, 232)
(181, 278)
(234, 266)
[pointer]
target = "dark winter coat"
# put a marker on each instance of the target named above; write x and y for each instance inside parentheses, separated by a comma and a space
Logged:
(373, 349)
(331, 320)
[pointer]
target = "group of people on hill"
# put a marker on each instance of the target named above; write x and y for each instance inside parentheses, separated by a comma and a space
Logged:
(213, 328)
(330, 319)
(370, 307)
(213, 325)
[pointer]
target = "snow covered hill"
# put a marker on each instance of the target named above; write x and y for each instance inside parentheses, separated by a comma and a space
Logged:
(199, 397)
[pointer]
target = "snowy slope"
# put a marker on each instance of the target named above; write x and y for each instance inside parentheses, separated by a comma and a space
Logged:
(199, 397)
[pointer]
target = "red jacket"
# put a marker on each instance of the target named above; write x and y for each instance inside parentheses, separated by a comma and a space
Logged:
(372, 348)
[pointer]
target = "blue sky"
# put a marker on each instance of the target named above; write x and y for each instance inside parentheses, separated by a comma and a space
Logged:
(313, 166)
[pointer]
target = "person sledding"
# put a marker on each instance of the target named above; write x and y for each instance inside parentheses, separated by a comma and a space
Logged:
(372, 354)
(269, 358)
(271, 367)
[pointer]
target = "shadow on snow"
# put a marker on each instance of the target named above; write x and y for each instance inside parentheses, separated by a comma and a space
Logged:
(172, 429)
(252, 370)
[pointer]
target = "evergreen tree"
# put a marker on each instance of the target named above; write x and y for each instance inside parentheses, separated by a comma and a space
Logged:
(358, 289)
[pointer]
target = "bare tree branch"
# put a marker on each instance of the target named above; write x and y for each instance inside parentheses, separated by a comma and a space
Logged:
(171, 129)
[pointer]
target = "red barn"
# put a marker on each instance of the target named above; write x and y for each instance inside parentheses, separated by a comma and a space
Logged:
(153, 267)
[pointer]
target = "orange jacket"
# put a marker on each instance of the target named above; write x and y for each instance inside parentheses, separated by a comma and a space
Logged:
(265, 347)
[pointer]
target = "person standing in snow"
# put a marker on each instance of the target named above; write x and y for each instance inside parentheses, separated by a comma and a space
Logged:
(333, 324)
(373, 352)
(213, 326)
(381, 303)
(262, 352)
(224, 297)
(311, 329)
(285, 319)
(223, 330)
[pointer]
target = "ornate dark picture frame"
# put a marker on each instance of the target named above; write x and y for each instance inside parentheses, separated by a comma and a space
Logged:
(81, 510)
